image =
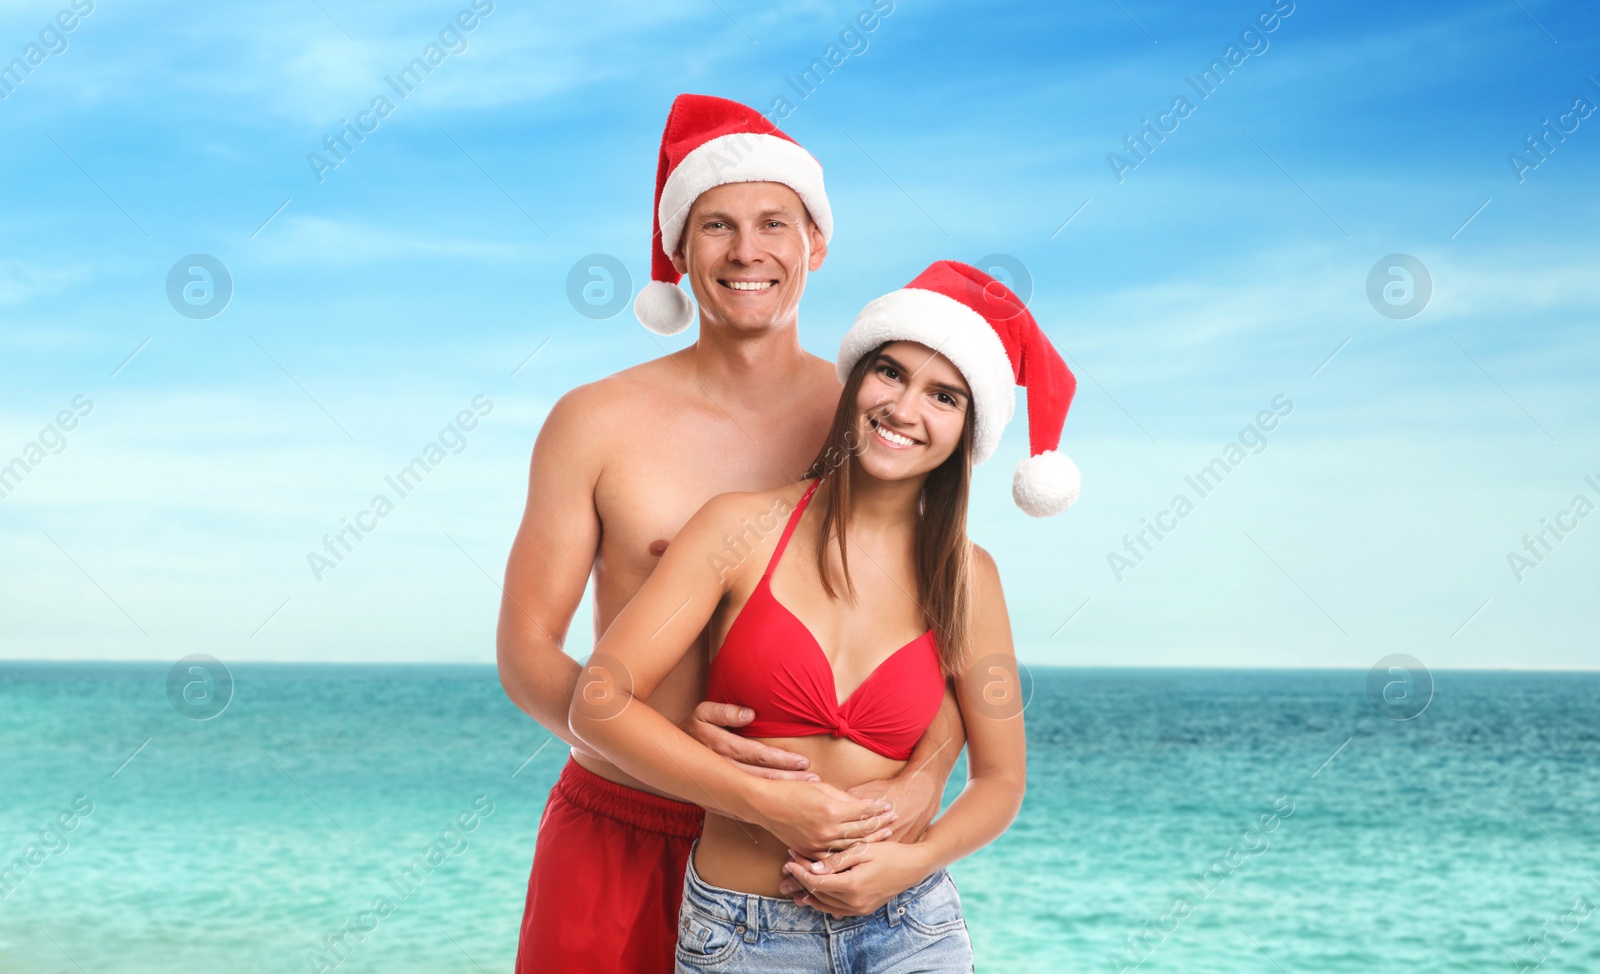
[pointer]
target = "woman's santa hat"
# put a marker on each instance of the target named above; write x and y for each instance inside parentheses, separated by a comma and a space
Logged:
(988, 333)
(708, 142)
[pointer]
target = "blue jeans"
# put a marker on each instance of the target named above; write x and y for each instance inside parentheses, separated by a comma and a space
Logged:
(728, 932)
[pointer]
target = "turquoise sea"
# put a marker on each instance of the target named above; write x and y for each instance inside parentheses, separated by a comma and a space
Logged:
(1446, 842)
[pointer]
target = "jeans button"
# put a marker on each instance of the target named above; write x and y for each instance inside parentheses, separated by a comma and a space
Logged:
(901, 911)
(739, 928)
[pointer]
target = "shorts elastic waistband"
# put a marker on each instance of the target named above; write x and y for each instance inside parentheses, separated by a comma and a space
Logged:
(640, 809)
(779, 912)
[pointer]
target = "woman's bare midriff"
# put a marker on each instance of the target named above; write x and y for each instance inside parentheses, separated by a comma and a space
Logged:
(747, 858)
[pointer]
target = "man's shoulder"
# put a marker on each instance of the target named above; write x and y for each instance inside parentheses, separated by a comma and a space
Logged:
(823, 371)
(638, 386)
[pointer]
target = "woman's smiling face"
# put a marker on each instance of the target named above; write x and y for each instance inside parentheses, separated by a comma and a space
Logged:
(912, 405)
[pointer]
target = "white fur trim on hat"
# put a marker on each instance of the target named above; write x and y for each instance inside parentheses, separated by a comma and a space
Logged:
(1047, 484)
(953, 330)
(741, 157)
(663, 308)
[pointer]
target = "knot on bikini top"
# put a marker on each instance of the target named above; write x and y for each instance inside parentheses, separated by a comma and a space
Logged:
(771, 663)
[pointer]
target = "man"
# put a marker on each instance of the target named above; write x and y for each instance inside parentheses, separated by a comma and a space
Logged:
(618, 468)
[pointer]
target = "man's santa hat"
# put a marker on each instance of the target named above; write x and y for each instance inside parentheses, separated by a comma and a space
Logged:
(708, 142)
(988, 333)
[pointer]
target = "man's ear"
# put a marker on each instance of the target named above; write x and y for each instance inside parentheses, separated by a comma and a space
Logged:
(679, 263)
(819, 245)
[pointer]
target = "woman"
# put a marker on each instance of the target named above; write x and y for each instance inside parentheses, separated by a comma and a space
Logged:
(806, 601)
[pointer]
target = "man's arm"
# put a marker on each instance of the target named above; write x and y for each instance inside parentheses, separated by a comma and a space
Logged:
(550, 562)
(547, 571)
(649, 637)
(861, 879)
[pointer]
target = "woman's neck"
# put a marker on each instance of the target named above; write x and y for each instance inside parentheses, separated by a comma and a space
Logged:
(879, 506)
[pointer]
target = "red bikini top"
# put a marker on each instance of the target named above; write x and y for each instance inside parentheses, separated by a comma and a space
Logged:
(771, 663)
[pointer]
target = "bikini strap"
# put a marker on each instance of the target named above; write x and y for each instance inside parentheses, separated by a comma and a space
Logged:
(788, 529)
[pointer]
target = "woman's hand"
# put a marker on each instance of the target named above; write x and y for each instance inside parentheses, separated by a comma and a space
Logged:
(856, 881)
(816, 818)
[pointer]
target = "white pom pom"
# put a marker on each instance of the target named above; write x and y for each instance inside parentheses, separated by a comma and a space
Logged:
(1046, 484)
(663, 308)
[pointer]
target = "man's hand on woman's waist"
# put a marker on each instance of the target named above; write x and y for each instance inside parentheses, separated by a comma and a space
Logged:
(709, 725)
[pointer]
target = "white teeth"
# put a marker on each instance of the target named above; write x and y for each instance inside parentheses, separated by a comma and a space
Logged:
(749, 285)
(893, 437)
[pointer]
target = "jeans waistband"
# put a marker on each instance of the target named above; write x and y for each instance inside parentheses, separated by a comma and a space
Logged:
(757, 912)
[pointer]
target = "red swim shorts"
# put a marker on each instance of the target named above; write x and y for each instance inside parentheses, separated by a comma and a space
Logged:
(607, 879)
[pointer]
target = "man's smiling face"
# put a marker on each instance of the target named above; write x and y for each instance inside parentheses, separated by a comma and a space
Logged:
(746, 251)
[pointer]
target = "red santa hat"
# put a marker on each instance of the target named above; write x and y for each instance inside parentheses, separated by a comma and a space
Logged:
(709, 142)
(989, 334)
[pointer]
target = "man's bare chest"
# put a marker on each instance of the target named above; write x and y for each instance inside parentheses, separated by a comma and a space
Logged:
(672, 462)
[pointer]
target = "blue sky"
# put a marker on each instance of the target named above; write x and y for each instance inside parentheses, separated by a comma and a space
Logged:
(1227, 269)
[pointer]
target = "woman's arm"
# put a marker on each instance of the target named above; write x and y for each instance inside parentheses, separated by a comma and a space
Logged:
(610, 709)
(990, 694)
(861, 879)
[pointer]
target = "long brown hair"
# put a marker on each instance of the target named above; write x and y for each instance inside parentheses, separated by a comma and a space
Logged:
(943, 555)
